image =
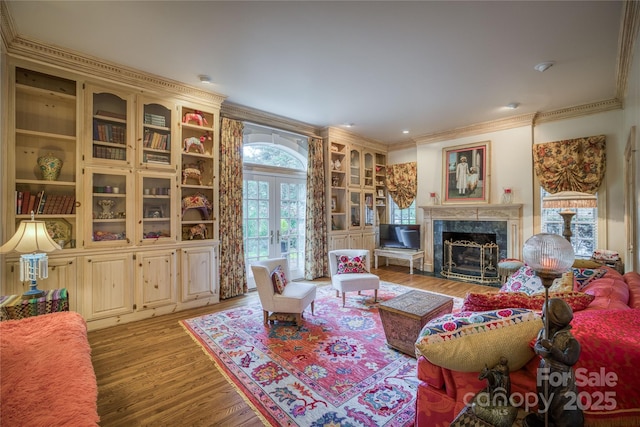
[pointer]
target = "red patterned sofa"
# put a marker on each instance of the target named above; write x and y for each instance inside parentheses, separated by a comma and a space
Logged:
(609, 333)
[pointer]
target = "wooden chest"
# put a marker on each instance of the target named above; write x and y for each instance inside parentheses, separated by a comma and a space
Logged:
(404, 316)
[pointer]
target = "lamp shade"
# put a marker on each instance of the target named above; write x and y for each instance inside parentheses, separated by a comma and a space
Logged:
(548, 253)
(31, 236)
(570, 199)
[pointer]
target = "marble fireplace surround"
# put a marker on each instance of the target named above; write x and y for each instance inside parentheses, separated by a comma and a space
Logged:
(509, 213)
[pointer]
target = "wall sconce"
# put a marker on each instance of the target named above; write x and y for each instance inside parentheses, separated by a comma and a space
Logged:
(568, 201)
(31, 239)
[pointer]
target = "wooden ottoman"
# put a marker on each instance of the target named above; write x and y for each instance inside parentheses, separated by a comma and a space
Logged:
(404, 316)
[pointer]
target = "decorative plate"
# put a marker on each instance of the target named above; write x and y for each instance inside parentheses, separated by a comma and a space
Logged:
(59, 229)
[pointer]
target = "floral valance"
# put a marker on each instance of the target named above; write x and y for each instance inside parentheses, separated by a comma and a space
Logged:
(571, 165)
(402, 183)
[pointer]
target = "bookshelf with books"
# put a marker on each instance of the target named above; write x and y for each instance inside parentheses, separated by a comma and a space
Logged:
(109, 128)
(198, 177)
(155, 141)
(45, 127)
(113, 198)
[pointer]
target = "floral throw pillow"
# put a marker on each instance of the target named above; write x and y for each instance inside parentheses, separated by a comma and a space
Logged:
(584, 276)
(278, 279)
(525, 280)
(348, 265)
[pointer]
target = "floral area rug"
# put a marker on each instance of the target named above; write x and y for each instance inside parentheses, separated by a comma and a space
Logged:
(335, 369)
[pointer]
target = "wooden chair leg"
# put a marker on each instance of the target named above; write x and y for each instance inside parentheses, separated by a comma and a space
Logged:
(343, 298)
(337, 293)
(312, 305)
(265, 314)
(298, 319)
(375, 295)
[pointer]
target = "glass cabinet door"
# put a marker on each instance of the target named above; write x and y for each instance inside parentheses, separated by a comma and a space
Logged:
(369, 211)
(108, 202)
(157, 209)
(354, 168)
(368, 170)
(109, 127)
(155, 143)
(354, 209)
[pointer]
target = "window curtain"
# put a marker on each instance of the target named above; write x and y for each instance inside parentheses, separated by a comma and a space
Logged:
(402, 183)
(571, 165)
(233, 279)
(315, 250)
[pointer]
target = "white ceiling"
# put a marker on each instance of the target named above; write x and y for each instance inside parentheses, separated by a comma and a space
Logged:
(384, 66)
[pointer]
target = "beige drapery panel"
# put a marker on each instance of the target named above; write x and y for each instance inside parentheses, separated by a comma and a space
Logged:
(571, 165)
(402, 183)
(233, 279)
(315, 250)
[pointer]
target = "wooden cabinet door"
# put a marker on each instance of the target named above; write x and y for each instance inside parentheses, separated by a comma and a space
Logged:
(199, 273)
(155, 279)
(107, 285)
(62, 274)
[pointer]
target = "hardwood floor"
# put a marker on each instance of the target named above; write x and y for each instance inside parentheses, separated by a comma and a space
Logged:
(151, 373)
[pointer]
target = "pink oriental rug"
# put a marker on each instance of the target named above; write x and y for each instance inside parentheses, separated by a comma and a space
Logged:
(333, 370)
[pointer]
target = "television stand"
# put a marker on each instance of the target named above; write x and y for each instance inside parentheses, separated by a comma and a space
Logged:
(409, 255)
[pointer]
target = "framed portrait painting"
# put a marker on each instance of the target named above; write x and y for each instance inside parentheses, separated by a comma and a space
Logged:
(466, 172)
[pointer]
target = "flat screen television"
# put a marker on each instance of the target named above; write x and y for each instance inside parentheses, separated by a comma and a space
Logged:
(400, 236)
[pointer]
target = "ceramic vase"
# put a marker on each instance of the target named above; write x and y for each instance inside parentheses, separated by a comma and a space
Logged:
(50, 167)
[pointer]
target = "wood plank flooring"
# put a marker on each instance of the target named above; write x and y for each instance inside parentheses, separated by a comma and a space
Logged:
(151, 373)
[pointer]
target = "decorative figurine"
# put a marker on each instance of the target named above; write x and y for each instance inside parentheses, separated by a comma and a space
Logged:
(199, 202)
(493, 405)
(193, 171)
(106, 205)
(198, 230)
(50, 167)
(559, 352)
(196, 116)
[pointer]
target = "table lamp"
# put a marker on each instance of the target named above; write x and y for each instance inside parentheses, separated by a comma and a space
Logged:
(31, 240)
(568, 201)
(549, 256)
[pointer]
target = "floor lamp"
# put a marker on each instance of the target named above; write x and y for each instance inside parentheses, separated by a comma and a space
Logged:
(32, 240)
(568, 201)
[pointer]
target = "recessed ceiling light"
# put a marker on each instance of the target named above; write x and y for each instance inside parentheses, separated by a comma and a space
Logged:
(405, 131)
(512, 105)
(348, 125)
(543, 66)
(204, 79)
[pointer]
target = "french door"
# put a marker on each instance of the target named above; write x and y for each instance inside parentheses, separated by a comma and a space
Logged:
(274, 220)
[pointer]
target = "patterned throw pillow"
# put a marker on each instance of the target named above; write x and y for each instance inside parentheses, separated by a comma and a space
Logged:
(495, 301)
(356, 264)
(525, 280)
(278, 279)
(584, 276)
(467, 341)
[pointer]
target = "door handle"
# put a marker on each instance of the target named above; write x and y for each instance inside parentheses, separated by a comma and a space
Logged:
(278, 236)
(271, 237)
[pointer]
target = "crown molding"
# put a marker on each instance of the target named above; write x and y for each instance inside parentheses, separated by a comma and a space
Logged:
(345, 136)
(629, 28)
(579, 111)
(248, 114)
(476, 129)
(7, 29)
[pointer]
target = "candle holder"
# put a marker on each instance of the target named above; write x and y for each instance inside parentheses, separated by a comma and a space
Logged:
(435, 200)
(507, 196)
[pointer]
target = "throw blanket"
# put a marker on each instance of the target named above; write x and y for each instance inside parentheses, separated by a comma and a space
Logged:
(46, 371)
(610, 341)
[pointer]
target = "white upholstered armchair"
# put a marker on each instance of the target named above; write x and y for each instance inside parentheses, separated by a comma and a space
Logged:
(352, 278)
(295, 296)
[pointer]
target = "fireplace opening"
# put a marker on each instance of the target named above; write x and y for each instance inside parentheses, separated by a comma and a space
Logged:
(470, 257)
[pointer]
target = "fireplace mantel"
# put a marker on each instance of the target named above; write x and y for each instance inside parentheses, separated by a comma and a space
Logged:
(511, 213)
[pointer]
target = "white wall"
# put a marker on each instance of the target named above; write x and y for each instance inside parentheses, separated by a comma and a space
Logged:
(510, 166)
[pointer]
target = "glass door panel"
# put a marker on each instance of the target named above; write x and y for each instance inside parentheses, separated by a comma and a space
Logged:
(274, 221)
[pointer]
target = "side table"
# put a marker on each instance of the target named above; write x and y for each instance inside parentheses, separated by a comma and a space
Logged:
(14, 307)
(404, 316)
